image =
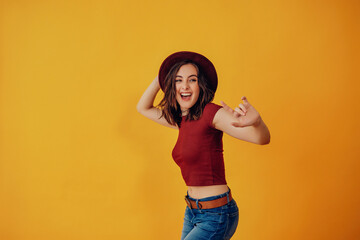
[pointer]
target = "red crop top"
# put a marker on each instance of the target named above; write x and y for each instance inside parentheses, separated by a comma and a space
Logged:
(199, 150)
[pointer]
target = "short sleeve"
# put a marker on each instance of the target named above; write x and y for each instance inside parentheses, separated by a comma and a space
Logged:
(209, 112)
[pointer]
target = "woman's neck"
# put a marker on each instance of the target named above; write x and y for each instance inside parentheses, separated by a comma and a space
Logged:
(184, 112)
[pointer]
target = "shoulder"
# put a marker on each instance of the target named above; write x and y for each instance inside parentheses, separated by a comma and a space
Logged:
(212, 107)
(210, 111)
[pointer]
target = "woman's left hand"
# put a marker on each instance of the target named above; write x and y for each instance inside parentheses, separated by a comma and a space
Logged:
(244, 115)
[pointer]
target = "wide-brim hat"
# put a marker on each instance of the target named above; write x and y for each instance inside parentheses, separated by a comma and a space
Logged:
(205, 67)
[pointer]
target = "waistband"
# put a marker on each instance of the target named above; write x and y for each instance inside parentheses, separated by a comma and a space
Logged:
(208, 202)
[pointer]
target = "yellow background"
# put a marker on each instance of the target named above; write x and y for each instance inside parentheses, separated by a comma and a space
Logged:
(78, 162)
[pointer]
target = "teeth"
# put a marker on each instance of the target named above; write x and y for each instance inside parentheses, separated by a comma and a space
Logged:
(186, 94)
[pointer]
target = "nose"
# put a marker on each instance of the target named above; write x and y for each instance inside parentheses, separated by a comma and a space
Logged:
(185, 85)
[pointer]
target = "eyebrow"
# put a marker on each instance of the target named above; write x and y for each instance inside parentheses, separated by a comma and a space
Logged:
(193, 75)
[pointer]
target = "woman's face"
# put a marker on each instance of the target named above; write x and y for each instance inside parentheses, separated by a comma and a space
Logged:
(187, 87)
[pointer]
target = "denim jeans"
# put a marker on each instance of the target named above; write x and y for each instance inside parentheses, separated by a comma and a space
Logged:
(215, 223)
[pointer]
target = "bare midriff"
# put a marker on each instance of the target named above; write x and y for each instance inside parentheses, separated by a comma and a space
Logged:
(206, 191)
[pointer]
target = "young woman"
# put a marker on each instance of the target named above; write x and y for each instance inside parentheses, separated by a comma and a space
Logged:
(189, 82)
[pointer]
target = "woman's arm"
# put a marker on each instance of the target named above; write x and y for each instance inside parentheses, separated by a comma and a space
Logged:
(243, 123)
(146, 108)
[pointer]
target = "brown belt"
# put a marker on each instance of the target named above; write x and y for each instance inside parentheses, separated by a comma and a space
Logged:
(208, 204)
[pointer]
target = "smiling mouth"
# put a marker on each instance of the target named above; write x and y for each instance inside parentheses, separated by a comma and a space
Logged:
(185, 96)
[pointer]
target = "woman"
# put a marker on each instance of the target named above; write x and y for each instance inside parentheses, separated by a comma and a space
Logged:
(189, 81)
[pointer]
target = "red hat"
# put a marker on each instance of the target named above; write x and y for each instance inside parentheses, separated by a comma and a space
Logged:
(204, 64)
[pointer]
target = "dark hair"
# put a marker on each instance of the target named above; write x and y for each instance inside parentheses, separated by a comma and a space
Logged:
(171, 110)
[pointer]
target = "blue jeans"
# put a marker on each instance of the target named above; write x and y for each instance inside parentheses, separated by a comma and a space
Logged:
(215, 223)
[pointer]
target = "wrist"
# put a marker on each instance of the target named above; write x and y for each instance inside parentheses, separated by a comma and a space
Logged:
(257, 122)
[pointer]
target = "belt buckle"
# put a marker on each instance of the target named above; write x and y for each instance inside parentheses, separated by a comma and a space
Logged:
(188, 202)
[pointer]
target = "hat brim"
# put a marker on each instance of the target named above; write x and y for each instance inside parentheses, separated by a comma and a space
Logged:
(205, 67)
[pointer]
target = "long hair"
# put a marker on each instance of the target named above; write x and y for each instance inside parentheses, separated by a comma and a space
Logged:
(171, 110)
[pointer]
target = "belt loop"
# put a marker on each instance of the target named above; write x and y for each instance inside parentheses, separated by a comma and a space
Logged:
(227, 195)
(198, 205)
(188, 201)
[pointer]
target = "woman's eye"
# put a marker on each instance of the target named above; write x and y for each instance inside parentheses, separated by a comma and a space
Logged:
(177, 80)
(193, 80)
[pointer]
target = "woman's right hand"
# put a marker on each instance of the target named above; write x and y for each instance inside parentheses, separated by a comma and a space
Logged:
(156, 81)
(146, 107)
